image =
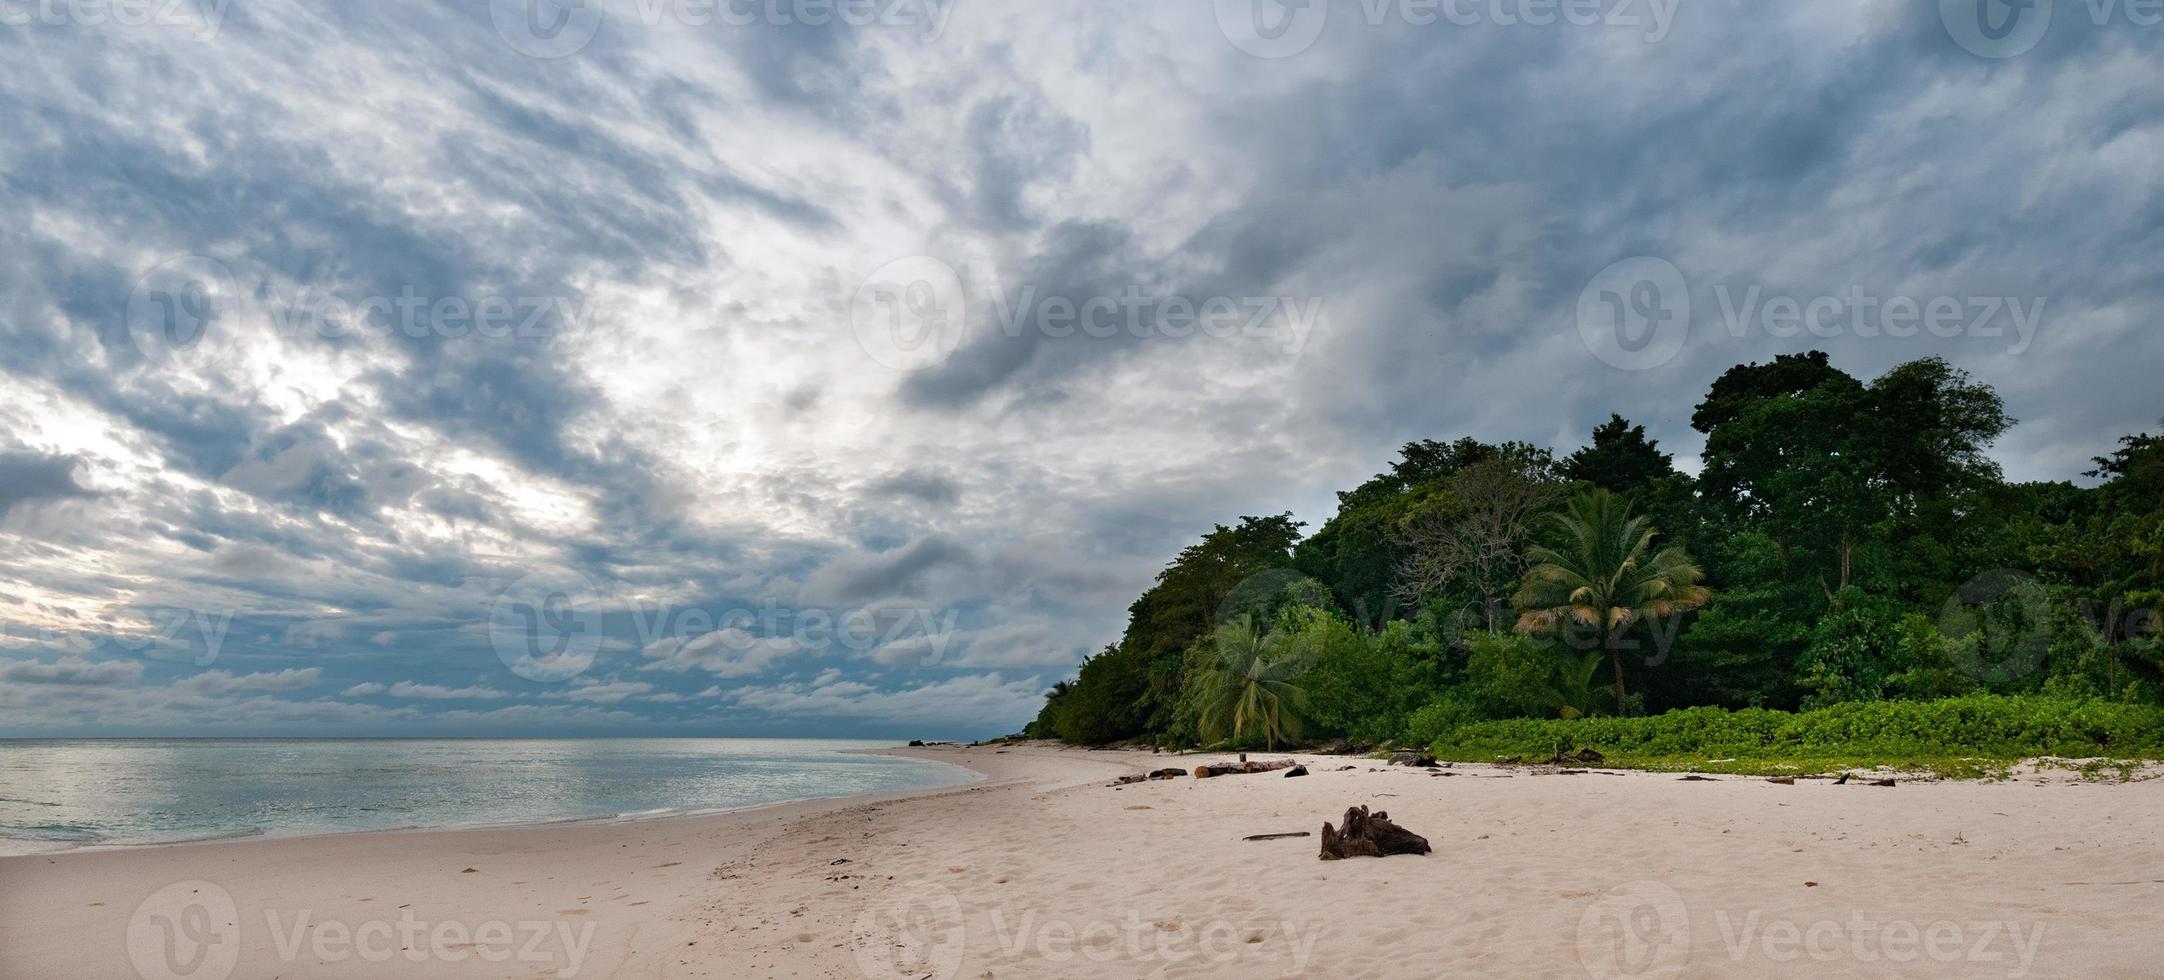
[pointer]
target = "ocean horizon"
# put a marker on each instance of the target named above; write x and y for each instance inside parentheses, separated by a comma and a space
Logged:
(66, 794)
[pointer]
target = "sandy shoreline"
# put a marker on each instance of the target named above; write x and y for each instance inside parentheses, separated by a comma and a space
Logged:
(1041, 869)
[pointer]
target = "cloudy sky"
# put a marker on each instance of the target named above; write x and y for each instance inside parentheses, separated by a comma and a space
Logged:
(644, 366)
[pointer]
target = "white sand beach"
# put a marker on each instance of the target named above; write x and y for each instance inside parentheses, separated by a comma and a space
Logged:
(1043, 870)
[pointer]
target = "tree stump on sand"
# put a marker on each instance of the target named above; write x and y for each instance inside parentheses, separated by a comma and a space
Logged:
(1369, 835)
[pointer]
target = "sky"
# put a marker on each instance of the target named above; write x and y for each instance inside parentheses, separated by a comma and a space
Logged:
(658, 367)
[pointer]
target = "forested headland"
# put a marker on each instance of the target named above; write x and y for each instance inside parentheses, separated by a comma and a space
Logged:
(1848, 577)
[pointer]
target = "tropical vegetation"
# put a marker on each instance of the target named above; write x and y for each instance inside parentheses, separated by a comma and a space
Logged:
(1845, 557)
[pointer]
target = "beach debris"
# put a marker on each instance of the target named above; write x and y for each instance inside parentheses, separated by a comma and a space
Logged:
(1810, 884)
(1782, 780)
(471, 871)
(1582, 757)
(1142, 777)
(1419, 759)
(1295, 771)
(837, 861)
(1843, 781)
(1882, 782)
(1296, 833)
(1696, 778)
(1242, 768)
(1369, 835)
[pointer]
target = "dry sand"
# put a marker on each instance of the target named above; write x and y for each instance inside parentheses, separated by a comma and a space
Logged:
(1043, 870)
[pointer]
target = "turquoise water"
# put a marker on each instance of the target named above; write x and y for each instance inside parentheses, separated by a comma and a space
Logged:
(112, 792)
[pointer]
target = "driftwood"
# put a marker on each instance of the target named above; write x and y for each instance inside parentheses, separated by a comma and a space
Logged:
(1696, 778)
(1883, 782)
(1783, 780)
(1369, 835)
(1296, 833)
(1295, 771)
(1241, 768)
(1142, 777)
(1582, 757)
(1421, 759)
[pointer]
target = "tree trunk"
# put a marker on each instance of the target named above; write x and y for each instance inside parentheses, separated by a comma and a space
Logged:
(1615, 660)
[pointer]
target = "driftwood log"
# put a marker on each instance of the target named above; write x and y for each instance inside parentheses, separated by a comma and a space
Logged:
(1369, 835)
(1241, 768)
(1146, 777)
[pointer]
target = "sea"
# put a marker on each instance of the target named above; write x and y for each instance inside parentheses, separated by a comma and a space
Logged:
(59, 794)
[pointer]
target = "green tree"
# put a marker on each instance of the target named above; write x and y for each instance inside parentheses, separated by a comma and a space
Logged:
(1620, 459)
(1252, 688)
(1605, 578)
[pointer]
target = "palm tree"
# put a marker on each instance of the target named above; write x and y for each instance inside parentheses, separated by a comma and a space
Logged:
(1606, 577)
(1251, 686)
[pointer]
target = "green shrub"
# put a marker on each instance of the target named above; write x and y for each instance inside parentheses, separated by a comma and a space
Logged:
(1977, 726)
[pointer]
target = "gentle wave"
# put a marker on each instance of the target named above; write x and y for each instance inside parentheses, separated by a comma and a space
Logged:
(122, 793)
